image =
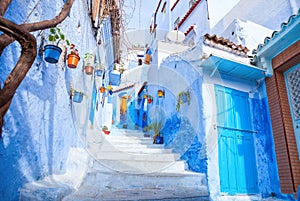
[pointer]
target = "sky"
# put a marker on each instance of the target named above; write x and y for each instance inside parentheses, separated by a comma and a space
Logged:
(139, 13)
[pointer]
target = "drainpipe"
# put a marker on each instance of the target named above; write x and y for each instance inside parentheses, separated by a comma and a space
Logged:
(294, 7)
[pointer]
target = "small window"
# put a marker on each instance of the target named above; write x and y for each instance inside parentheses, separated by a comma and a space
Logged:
(192, 2)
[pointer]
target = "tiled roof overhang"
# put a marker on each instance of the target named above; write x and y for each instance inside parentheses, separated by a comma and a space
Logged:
(294, 21)
(225, 44)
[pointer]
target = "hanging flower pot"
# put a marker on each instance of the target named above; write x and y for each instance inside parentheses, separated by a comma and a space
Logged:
(89, 70)
(115, 78)
(147, 59)
(148, 56)
(89, 63)
(150, 99)
(99, 69)
(98, 72)
(160, 93)
(73, 60)
(73, 57)
(52, 53)
(77, 96)
(102, 89)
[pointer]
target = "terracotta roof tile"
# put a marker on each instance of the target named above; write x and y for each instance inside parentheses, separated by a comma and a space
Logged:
(188, 13)
(189, 29)
(174, 5)
(214, 41)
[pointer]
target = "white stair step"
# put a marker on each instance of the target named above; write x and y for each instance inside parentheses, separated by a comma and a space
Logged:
(137, 150)
(139, 167)
(92, 193)
(129, 141)
(136, 157)
(117, 180)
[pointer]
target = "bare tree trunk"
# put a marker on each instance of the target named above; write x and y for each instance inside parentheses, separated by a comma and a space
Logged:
(5, 39)
(3, 6)
(27, 41)
(28, 54)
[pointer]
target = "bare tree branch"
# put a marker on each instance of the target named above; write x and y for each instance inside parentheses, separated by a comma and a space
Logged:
(3, 6)
(5, 39)
(28, 54)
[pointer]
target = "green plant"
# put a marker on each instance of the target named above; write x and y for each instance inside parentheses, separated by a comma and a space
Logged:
(89, 59)
(72, 91)
(56, 36)
(155, 127)
(104, 128)
(181, 99)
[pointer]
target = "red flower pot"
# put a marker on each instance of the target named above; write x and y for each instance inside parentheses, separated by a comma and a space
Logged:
(106, 132)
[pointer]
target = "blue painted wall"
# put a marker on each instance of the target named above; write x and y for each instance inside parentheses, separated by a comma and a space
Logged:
(39, 130)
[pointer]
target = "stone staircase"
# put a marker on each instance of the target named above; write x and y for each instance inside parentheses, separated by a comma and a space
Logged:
(127, 166)
(124, 166)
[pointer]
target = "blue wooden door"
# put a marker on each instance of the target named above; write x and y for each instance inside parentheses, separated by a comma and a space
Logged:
(237, 165)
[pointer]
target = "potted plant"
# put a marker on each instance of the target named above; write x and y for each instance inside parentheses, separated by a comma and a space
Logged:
(160, 93)
(102, 89)
(156, 128)
(77, 96)
(99, 70)
(89, 63)
(105, 130)
(148, 56)
(150, 99)
(183, 97)
(52, 52)
(73, 57)
(115, 76)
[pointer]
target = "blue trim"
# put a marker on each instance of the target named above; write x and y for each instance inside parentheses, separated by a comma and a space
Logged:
(276, 34)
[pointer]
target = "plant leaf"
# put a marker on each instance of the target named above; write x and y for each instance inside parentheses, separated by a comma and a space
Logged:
(68, 42)
(51, 38)
(52, 30)
(62, 36)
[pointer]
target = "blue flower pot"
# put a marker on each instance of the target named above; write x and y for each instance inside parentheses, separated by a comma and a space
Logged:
(77, 97)
(115, 78)
(98, 73)
(52, 53)
(159, 140)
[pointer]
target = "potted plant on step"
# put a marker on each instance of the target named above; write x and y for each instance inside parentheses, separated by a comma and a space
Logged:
(73, 57)
(89, 63)
(105, 130)
(52, 52)
(156, 127)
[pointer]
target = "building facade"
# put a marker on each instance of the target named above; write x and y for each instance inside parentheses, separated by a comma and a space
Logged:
(281, 56)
